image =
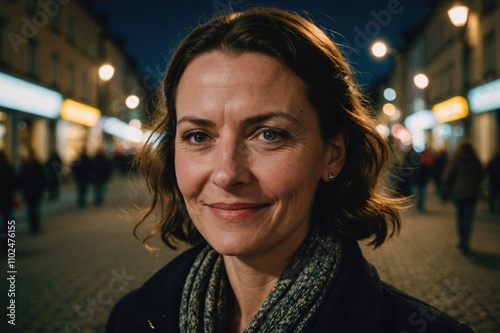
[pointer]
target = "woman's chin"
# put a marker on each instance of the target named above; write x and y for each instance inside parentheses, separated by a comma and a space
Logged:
(234, 246)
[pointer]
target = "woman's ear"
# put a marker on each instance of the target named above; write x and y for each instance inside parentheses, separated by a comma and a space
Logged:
(335, 157)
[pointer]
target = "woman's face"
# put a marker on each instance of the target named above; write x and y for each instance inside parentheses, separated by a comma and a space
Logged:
(248, 152)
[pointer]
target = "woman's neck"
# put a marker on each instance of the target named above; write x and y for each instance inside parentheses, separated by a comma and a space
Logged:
(248, 290)
(251, 279)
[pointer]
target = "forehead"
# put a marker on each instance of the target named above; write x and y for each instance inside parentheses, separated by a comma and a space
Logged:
(237, 62)
(244, 77)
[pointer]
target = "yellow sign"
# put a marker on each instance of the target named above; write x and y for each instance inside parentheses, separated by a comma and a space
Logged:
(79, 113)
(452, 109)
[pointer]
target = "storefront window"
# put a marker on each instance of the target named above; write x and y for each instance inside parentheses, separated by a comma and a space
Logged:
(71, 140)
(23, 133)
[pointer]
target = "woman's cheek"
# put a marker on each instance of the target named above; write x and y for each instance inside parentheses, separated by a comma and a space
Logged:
(187, 174)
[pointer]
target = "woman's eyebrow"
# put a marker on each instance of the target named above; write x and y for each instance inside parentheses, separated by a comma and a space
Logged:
(197, 121)
(248, 121)
(269, 115)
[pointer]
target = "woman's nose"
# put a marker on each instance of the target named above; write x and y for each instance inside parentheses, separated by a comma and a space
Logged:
(230, 169)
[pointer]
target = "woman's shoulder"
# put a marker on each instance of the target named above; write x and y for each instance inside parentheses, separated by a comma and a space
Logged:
(169, 275)
(157, 301)
(410, 314)
(360, 301)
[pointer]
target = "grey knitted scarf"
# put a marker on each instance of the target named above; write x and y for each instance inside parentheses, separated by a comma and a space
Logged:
(292, 303)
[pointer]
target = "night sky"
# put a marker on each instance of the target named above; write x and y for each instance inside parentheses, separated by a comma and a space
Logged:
(152, 29)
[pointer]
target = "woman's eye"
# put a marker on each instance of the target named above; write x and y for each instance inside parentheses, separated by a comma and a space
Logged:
(196, 137)
(271, 135)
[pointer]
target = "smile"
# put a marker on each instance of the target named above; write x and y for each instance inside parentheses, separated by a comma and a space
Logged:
(234, 211)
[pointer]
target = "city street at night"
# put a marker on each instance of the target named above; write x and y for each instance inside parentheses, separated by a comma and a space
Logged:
(249, 119)
(84, 260)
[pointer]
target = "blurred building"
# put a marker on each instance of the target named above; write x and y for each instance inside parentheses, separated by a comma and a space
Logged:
(51, 93)
(462, 64)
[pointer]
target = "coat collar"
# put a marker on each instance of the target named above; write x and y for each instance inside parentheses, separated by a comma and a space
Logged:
(155, 306)
(354, 304)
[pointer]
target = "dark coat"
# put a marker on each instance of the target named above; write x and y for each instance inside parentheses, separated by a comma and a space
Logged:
(464, 175)
(53, 168)
(101, 169)
(33, 179)
(81, 168)
(493, 170)
(358, 302)
(8, 183)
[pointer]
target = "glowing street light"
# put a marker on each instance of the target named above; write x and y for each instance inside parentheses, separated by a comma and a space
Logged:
(421, 81)
(390, 94)
(132, 102)
(389, 109)
(106, 72)
(135, 123)
(379, 49)
(458, 15)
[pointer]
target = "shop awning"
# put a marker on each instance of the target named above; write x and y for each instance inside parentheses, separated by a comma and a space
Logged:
(485, 98)
(452, 109)
(21, 95)
(80, 113)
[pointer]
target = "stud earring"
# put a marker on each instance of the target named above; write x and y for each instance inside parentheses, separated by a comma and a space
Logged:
(331, 176)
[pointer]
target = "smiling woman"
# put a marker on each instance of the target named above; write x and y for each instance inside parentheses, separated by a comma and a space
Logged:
(270, 167)
(246, 136)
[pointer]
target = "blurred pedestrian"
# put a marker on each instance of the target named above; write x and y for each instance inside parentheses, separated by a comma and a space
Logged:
(464, 175)
(401, 174)
(7, 192)
(33, 182)
(101, 172)
(438, 166)
(81, 168)
(53, 167)
(493, 171)
(122, 161)
(421, 176)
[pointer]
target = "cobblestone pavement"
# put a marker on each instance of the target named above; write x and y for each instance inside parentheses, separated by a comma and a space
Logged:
(70, 275)
(425, 262)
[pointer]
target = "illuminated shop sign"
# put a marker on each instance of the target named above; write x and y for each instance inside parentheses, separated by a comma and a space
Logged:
(420, 121)
(452, 109)
(121, 129)
(80, 113)
(485, 97)
(27, 97)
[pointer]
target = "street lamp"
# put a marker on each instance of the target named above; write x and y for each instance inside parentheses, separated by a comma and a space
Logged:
(132, 102)
(458, 15)
(379, 49)
(421, 81)
(106, 72)
(390, 94)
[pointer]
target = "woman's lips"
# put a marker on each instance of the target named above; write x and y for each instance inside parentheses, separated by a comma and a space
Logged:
(234, 211)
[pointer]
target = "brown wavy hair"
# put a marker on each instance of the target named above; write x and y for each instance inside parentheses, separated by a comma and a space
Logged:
(355, 203)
